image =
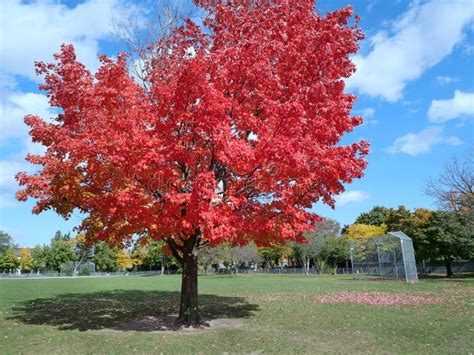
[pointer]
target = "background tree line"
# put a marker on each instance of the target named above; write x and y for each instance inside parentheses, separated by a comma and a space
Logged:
(324, 245)
(64, 250)
(440, 236)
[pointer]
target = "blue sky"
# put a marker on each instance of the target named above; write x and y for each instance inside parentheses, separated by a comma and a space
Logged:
(415, 88)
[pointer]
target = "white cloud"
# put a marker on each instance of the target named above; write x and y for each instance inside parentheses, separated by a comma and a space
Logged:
(446, 79)
(368, 116)
(34, 30)
(420, 39)
(461, 105)
(351, 196)
(14, 107)
(419, 143)
(13, 135)
(8, 184)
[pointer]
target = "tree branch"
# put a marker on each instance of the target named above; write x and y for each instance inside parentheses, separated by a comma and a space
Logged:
(175, 250)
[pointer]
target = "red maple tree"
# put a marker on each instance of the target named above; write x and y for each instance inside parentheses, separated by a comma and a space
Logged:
(234, 139)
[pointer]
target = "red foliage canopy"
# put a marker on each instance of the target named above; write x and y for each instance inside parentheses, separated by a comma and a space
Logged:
(235, 138)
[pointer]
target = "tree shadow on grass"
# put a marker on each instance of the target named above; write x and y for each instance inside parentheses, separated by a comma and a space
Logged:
(123, 310)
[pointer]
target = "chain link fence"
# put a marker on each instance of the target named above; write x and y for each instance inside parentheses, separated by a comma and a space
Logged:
(390, 255)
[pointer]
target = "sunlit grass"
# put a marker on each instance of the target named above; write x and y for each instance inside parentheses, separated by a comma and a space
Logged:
(277, 314)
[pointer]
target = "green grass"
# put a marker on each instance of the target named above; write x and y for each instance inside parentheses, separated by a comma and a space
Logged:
(272, 314)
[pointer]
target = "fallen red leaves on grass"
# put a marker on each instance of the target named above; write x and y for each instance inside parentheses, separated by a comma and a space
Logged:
(379, 298)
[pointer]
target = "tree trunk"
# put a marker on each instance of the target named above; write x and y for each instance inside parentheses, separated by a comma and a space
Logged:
(306, 266)
(188, 306)
(187, 256)
(449, 270)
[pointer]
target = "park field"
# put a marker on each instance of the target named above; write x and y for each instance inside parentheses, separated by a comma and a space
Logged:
(246, 313)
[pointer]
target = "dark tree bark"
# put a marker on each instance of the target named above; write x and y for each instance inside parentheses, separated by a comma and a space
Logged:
(188, 305)
(449, 270)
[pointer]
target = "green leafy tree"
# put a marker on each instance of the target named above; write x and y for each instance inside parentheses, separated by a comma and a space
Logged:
(414, 224)
(139, 256)
(151, 256)
(398, 219)
(273, 255)
(453, 190)
(58, 235)
(83, 252)
(104, 258)
(157, 258)
(9, 260)
(375, 217)
(39, 258)
(449, 239)
(6, 242)
(60, 252)
(335, 250)
(324, 230)
(416, 229)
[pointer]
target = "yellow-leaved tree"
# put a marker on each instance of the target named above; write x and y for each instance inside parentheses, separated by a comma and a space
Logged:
(364, 231)
(123, 260)
(26, 261)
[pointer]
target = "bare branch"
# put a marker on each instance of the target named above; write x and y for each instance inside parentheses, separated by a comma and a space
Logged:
(454, 188)
(139, 33)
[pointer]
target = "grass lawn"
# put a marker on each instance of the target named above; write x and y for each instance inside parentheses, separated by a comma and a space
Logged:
(269, 314)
